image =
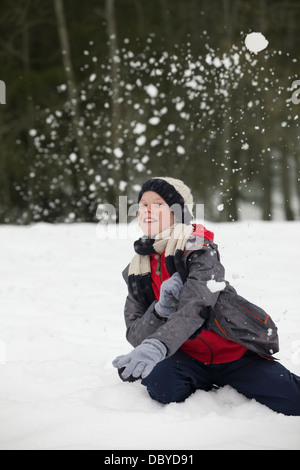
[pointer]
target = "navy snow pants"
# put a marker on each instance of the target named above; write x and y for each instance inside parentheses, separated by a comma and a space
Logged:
(268, 382)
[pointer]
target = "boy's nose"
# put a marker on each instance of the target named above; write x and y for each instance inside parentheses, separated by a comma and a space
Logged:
(147, 210)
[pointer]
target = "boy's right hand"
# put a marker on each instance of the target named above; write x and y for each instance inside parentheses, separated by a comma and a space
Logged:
(169, 296)
(140, 362)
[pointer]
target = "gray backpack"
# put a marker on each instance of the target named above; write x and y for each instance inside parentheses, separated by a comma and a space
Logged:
(237, 319)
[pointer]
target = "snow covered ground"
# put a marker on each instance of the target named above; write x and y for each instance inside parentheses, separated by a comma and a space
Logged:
(61, 324)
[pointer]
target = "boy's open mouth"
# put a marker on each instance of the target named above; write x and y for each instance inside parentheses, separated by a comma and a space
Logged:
(149, 220)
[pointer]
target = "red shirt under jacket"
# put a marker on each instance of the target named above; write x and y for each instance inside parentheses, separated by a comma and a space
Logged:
(208, 347)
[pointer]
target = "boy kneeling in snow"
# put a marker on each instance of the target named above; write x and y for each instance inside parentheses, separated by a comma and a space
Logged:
(190, 329)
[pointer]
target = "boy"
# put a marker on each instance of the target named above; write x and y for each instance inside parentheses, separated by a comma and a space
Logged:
(189, 328)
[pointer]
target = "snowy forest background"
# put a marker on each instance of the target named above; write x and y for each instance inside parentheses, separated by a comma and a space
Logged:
(102, 94)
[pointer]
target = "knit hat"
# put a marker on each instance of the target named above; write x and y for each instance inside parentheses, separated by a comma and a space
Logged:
(176, 194)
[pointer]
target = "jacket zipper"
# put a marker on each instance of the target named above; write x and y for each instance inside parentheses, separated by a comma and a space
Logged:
(211, 351)
(158, 268)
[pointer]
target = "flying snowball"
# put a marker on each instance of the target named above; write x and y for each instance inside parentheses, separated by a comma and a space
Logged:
(256, 42)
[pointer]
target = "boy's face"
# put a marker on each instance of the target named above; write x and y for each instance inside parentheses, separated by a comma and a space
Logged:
(154, 214)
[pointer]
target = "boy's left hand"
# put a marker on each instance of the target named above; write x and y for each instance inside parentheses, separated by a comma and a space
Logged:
(169, 295)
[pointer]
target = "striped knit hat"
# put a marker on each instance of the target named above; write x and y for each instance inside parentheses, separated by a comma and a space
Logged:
(176, 194)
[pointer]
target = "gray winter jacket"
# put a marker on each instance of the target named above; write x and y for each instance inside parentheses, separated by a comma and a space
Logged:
(206, 301)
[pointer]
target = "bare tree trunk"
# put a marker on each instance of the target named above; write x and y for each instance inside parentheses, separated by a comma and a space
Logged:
(297, 179)
(115, 81)
(286, 185)
(29, 110)
(267, 175)
(71, 85)
(119, 164)
(267, 178)
(230, 184)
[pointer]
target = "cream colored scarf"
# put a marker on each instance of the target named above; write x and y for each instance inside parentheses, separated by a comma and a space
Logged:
(169, 241)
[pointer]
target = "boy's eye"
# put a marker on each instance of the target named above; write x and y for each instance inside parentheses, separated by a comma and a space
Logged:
(156, 205)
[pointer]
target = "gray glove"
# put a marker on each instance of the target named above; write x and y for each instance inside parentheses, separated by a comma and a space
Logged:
(169, 295)
(140, 361)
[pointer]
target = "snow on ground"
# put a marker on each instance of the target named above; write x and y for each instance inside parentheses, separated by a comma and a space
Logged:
(61, 325)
